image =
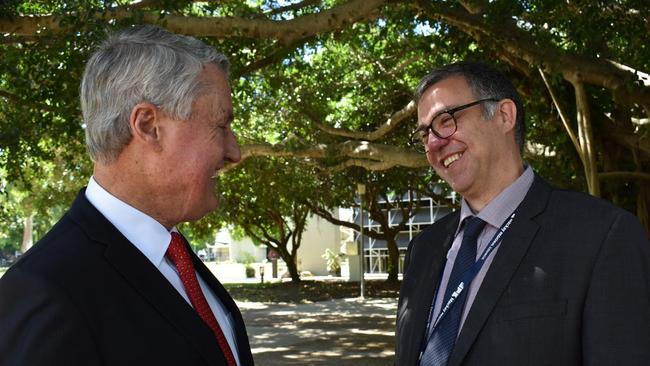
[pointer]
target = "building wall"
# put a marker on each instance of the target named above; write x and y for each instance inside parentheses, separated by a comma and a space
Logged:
(244, 247)
(239, 249)
(319, 235)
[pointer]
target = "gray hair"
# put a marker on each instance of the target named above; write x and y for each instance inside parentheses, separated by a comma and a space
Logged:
(140, 64)
(485, 82)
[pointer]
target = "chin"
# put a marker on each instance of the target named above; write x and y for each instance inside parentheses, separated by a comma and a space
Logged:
(211, 204)
(458, 187)
(198, 215)
(208, 205)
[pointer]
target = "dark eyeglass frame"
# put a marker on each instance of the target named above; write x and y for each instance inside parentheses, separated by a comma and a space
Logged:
(417, 142)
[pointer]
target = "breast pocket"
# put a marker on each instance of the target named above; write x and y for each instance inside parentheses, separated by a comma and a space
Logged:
(533, 331)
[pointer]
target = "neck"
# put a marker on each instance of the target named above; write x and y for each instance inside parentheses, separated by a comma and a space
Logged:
(500, 182)
(131, 186)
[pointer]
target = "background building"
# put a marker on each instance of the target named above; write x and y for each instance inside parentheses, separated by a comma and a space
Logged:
(375, 250)
(320, 235)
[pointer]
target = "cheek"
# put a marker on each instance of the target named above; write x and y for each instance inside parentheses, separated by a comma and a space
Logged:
(430, 158)
(196, 169)
(433, 157)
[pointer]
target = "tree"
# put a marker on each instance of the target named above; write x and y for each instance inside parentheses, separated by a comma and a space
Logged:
(31, 206)
(330, 82)
(259, 199)
(392, 197)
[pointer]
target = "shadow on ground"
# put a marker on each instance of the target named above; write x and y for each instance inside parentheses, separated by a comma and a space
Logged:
(309, 290)
(336, 332)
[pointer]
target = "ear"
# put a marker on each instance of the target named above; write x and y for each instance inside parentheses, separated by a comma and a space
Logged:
(507, 115)
(145, 123)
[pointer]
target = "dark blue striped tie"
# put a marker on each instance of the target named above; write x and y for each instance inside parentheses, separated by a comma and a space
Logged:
(443, 339)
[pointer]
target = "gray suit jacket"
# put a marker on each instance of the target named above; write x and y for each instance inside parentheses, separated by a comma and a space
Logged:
(570, 285)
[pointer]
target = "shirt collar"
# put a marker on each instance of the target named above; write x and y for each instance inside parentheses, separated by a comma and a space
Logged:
(145, 233)
(501, 207)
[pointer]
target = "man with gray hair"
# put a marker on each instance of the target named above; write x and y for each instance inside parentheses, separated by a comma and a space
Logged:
(114, 282)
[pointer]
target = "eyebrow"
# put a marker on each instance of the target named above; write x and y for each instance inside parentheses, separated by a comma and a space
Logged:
(447, 109)
(428, 121)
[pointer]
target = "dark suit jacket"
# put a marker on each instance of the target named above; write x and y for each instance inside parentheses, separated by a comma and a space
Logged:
(569, 285)
(84, 295)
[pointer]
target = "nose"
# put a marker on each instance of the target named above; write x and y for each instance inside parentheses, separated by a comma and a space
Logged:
(233, 152)
(434, 142)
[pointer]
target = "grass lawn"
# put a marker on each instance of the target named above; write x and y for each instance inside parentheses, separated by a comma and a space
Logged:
(308, 291)
(305, 291)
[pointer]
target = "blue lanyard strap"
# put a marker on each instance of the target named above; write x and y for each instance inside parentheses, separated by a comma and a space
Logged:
(467, 279)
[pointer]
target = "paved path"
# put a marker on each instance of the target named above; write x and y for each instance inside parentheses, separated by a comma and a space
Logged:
(337, 332)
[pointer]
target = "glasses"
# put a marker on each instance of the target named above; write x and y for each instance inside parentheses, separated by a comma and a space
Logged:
(443, 125)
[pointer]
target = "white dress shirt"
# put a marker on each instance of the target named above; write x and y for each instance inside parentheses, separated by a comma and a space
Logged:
(152, 239)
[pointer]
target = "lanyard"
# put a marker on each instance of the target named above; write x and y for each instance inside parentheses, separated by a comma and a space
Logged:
(468, 277)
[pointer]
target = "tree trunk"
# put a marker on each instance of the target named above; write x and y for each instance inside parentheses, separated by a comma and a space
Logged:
(585, 136)
(393, 259)
(28, 229)
(290, 260)
(293, 269)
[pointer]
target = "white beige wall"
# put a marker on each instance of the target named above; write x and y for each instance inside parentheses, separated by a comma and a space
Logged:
(319, 235)
(239, 248)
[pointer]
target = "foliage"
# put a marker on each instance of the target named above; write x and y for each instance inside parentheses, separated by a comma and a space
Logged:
(333, 260)
(319, 111)
(259, 198)
(248, 259)
(46, 197)
(250, 271)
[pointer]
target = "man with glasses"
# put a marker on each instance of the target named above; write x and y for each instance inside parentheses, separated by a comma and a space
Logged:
(523, 273)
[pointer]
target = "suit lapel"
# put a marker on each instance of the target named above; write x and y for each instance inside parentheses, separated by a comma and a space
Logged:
(138, 271)
(428, 258)
(243, 346)
(512, 250)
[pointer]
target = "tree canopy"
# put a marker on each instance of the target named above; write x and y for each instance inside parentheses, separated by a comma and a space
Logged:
(328, 85)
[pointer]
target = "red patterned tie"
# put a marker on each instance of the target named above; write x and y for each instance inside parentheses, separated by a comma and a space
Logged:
(178, 254)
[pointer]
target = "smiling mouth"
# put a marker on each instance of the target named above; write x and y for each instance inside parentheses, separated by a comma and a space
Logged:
(450, 159)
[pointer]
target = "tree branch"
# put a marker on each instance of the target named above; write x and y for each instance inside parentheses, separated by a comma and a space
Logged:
(275, 56)
(360, 150)
(625, 175)
(563, 117)
(629, 140)
(362, 163)
(585, 136)
(395, 120)
(329, 217)
(253, 235)
(271, 238)
(296, 6)
(285, 31)
(476, 7)
(626, 86)
(139, 5)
